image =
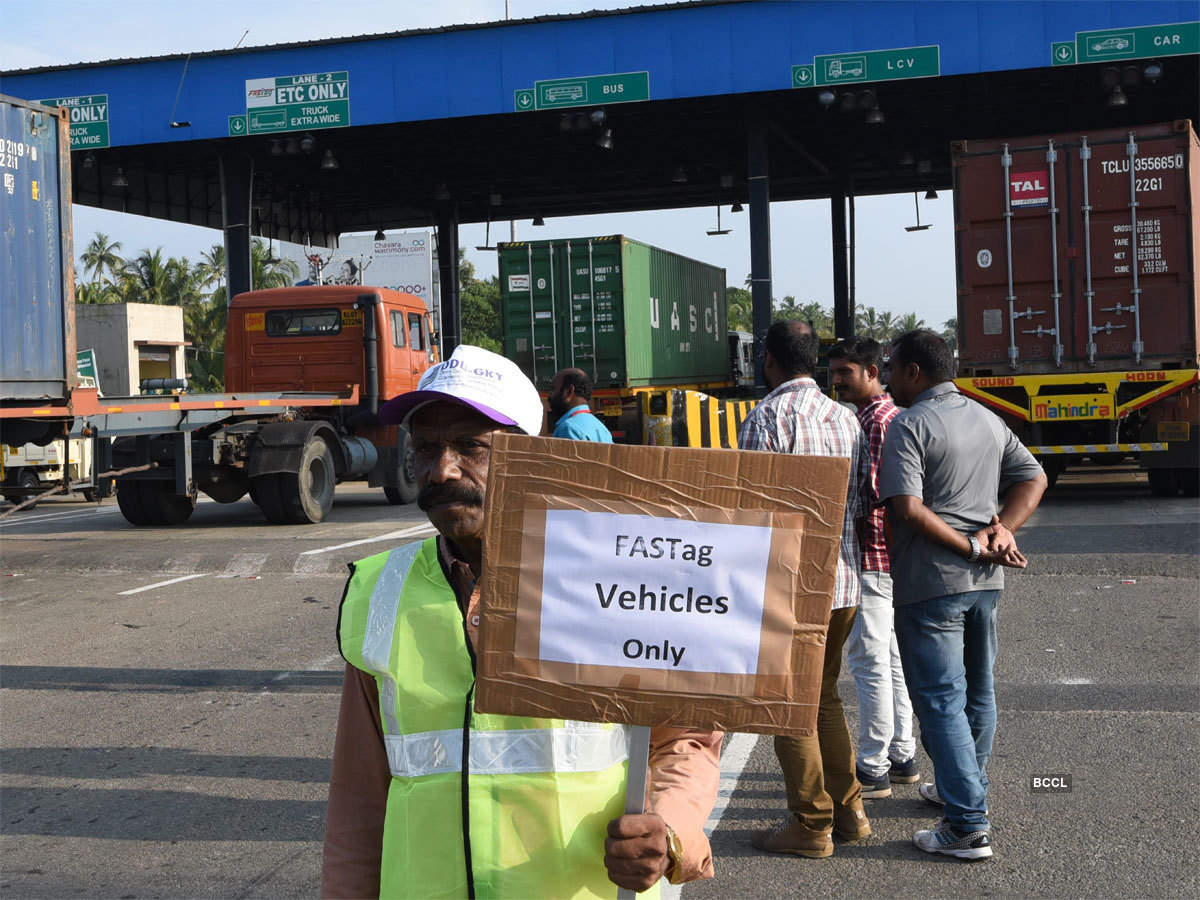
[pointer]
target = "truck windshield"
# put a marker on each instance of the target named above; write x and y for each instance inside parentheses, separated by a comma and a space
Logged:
(296, 322)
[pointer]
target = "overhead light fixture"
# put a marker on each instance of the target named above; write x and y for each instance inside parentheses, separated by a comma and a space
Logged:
(867, 100)
(538, 222)
(89, 159)
(931, 194)
(1152, 71)
(737, 207)
(564, 122)
(848, 102)
(598, 117)
(718, 230)
(291, 147)
(726, 182)
(119, 180)
(679, 176)
(307, 142)
(1117, 97)
(329, 161)
(442, 193)
(581, 122)
(907, 159)
(1110, 76)
(1131, 76)
(495, 199)
(924, 167)
(605, 140)
(918, 226)
(380, 236)
(276, 148)
(874, 116)
(826, 98)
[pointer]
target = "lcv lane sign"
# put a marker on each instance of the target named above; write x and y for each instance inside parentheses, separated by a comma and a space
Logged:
(89, 120)
(875, 65)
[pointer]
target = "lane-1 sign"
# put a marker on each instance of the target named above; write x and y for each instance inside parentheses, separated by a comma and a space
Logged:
(876, 65)
(294, 103)
(1140, 42)
(89, 120)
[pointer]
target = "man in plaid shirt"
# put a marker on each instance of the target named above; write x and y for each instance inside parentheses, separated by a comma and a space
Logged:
(795, 417)
(886, 748)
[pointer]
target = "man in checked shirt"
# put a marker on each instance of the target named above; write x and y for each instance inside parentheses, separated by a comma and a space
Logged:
(886, 747)
(823, 793)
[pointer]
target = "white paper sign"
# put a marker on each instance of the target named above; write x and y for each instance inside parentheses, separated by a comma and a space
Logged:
(655, 593)
(518, 282)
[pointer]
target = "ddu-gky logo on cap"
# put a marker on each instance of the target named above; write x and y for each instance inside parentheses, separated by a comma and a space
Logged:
(1029, 189)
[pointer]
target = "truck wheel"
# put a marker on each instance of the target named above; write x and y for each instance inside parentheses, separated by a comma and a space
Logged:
(406, 491)
(28, 479)
(163, 505)
(264, 491)
(307, 495)
(1163, 482)
(129, 499)
(90, 495)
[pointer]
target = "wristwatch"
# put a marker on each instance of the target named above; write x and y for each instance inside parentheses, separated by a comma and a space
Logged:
(674, 853)
(975, 548)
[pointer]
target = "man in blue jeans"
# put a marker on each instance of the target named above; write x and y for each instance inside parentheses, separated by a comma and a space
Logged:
(945, 461)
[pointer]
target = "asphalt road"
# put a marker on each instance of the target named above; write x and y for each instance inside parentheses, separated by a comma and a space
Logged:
(168, 700)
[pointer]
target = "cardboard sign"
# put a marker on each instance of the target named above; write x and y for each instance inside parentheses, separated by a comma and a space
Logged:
(657, 586)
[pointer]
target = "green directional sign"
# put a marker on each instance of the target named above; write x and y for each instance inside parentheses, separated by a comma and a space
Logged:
(589, 90)
(89, 120)
(523, 100)
(803, 76)
(1138, 42)
(85, 363)
(1062, 53)
(294, 103)
(877, 65)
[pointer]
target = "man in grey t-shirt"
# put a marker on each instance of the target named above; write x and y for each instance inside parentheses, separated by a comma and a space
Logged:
(945, 461)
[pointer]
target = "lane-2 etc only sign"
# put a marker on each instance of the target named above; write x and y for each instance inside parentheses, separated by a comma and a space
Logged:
(294, 103)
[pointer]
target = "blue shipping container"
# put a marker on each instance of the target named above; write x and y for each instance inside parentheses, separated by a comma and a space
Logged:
(37, 315)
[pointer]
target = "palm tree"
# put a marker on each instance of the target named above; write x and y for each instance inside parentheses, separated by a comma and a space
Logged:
(101, 256)
(211, 267)
(950, 333)
(866, 322)
(910, 322)
(148, 277)
(886, 327)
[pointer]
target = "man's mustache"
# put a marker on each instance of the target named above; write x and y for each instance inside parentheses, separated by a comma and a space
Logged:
(434, 494)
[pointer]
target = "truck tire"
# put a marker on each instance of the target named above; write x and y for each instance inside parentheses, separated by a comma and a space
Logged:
(264, 491)
(406, 491)
(129, 499)
(307, 495)
(90, 495)
(1163, 482)
(27, 479)
(162, 505)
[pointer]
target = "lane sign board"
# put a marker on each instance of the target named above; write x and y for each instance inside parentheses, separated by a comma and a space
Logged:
(1139, 42)
(803, 76)
(877, 65)
(294, 103)
(622, 87)
(1062, 53)
(89, 120)
(523, 100)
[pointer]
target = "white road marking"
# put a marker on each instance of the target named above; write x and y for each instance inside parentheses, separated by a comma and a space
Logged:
(403, 532)
(159, 584)
(185, 562)
(310, 565)
(19, 519)
(245, 564)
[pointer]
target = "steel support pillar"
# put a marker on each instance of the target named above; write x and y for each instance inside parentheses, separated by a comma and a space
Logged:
(843, 306)
(237, 190)
(447, 248)
(760, 240)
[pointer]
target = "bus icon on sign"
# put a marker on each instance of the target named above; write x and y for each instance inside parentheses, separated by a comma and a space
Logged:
(564, 92)
(846, 68)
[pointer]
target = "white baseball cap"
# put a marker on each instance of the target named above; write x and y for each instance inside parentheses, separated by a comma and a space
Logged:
(479, 379)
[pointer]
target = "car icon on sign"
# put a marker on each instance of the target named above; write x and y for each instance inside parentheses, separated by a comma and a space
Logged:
(1112, 43)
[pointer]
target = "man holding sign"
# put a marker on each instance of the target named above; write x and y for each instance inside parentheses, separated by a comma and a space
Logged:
(429, 798)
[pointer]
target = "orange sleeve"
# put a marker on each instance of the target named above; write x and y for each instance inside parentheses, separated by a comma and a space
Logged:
(685, 770)
(358, 791)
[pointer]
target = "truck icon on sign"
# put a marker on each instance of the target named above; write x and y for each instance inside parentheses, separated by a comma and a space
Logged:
(852, 67)
(1110, 44)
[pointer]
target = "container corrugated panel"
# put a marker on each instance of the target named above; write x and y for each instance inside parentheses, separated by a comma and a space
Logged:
(630, 314)
(1073, 201)
(37, 333)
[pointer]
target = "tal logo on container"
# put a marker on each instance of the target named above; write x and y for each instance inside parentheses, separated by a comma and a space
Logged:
(1029, 189)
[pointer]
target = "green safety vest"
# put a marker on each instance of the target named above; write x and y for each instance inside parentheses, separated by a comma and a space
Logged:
(530, 816)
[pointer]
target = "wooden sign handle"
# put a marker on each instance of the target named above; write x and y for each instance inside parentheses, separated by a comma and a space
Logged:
(635, 782)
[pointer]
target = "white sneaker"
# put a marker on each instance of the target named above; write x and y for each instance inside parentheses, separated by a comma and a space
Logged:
(929, 793)
(946, 841)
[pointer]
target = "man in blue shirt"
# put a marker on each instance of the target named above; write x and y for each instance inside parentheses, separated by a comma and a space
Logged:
(569, 395)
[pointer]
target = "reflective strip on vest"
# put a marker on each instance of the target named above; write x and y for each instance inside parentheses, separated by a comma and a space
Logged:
(576, 747)
(381, 628)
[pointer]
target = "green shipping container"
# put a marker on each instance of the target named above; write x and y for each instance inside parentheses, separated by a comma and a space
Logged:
(628, 314)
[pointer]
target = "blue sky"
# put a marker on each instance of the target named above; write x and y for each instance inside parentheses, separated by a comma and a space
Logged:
(897, 270)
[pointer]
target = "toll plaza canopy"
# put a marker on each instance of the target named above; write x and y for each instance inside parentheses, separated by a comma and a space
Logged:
(646, 108)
